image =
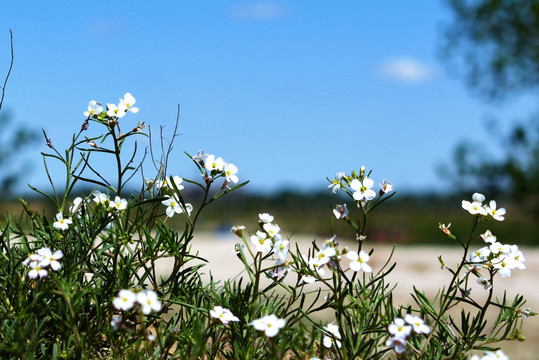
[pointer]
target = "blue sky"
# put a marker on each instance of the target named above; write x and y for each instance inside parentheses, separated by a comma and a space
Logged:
(290, 92)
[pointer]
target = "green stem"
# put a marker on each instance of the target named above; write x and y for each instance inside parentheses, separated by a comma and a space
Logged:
(446, 300)
(118, 160)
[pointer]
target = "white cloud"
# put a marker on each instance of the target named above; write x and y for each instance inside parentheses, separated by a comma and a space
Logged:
(406, 69)
(260, 11)
(106, 27)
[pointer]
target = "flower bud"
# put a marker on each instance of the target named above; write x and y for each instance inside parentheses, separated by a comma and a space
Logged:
(139, 127)
(238, 230)
(445, 229)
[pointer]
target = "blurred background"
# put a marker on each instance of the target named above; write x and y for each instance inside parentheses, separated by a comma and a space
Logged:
(439, 98)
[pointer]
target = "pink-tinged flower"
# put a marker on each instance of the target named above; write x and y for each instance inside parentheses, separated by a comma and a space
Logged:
(32, 258)
(341, 211)
(200, 157)
(223, 314)
(50, 259)
(37, 271)
(445, 228)
(270, 324)
(417, 323)
(362, 190)
(94, 108)
(279, 270)
(398, 343)
(126, 300)
(116, 322)
(359, 261)
(497, 214)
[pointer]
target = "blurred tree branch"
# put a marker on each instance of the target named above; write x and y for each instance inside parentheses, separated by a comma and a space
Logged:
(494, 44)
(13, 140)
(9, 71)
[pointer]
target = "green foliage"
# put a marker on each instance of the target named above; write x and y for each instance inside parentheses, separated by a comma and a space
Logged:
(495, 44)
(513, 174)
(85, 285)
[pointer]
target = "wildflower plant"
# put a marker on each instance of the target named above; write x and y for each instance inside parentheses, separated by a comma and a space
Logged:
(82, 283)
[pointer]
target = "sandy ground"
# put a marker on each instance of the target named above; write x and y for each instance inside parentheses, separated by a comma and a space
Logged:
(417, 266)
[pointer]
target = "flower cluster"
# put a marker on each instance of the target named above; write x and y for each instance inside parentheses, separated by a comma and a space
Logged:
(223, 314)
(401, 329)
(96, 110)
(174, 206)
(359, 187)
(147, 299)
(269, 237)
(101, 199)
(330, 254)
(485, 211)
(502, 258)
(217, 167)
(269, 324)
(169, 186)
(490, 355)
(41, 260)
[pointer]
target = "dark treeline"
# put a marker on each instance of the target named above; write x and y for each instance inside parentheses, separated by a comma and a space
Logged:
(403, 219)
